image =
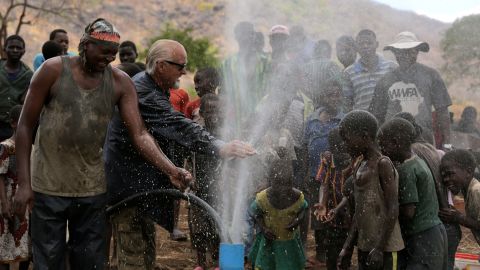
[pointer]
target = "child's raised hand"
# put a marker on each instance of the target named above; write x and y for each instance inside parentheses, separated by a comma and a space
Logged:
(450, 215)
(320, 211)
(331, 215)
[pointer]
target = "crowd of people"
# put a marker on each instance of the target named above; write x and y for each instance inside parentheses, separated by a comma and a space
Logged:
(357, 151)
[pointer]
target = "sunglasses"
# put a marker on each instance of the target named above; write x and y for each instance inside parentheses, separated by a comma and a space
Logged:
(180, 67)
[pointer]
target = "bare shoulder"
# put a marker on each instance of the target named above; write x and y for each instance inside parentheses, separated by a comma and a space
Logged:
(122, 83)
(120, 76)
(384, 162)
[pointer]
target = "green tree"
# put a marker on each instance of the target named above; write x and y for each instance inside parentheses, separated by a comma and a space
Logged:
(461, 51)
(201, 52)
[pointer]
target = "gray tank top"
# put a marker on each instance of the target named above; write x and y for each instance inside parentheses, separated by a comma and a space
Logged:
(370, 214)
(67, 155)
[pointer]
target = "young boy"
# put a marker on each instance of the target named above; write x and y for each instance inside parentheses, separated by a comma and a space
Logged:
(376, 196)
(457, 169)
(327, 115)
(206, 82)
(423, 232)
(432, 156)
(206, 171)
(51, 49)
(334, 170)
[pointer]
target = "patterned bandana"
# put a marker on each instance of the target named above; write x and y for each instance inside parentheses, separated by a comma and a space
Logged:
(101, 30)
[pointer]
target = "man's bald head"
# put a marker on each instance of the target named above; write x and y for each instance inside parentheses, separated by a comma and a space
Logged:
(164, 49)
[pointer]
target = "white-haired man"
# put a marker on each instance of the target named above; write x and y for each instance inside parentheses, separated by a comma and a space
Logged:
(128, 173)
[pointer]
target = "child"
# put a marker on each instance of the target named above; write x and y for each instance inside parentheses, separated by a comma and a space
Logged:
(423, 232)
(51, 49)
(206, 82)
(327, 115)
(206, 172)
(14, 239)
(334, 169)
(178, 97)
(457, 170)
(428, 153)
(278, 210)
(376, 196)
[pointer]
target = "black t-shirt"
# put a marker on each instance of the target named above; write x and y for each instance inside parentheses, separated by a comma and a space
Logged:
(416, 90)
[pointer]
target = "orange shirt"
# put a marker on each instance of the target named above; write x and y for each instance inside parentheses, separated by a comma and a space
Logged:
(179, 99)
(191, 107)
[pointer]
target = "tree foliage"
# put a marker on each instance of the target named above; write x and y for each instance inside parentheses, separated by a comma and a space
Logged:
(461, 51)
(201, 52)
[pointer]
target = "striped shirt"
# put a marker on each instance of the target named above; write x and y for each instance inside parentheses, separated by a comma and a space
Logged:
(360, 83)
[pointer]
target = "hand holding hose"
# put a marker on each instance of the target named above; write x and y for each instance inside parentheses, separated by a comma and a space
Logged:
(181, 179)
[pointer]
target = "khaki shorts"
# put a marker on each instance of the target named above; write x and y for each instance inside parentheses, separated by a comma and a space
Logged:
(135, 240)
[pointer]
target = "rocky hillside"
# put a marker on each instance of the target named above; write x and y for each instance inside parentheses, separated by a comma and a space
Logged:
(326, 19)
(140, 20)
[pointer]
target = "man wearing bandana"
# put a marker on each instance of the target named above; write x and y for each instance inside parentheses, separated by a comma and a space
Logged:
(73, 99)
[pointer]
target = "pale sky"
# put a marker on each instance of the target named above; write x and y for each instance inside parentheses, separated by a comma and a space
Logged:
(442, 10)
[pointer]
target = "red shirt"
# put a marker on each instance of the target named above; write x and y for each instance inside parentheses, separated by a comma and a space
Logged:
(178, 99)
(191, 107)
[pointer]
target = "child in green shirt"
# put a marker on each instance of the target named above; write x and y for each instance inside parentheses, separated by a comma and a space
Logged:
(423, 232)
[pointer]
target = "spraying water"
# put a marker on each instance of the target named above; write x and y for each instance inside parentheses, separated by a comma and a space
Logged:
(262, 121)
(261, 99)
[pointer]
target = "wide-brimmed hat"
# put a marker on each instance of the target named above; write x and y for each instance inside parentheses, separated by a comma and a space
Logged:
(407, 40)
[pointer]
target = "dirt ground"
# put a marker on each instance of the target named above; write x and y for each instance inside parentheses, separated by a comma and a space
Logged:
(172, 255)
(179, 255)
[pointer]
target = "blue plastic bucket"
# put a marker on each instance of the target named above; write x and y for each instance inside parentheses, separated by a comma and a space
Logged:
(231, 256)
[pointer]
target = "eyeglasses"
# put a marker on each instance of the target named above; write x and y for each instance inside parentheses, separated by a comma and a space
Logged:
(179, 66)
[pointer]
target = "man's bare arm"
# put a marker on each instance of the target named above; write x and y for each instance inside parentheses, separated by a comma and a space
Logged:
(37, 94)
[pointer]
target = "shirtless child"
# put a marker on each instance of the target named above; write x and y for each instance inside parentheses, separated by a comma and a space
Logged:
(375, 221)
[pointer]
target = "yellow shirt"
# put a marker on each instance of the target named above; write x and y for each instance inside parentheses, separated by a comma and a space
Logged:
(278, 219)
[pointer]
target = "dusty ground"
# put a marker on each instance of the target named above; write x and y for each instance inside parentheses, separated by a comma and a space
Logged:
(172, 255)
(179, 255)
